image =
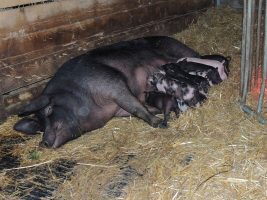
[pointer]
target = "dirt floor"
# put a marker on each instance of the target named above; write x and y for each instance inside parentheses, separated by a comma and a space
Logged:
(214, 152)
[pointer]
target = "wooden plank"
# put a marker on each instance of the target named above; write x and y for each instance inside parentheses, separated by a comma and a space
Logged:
(42, 15)
(62, 29)
(24, 70)
(30, 60)
(12, 103)
(38, 65)
(14, 100)
(10, 3)
(3, 111)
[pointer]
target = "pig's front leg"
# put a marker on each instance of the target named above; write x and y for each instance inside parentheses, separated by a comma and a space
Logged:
(132, 105)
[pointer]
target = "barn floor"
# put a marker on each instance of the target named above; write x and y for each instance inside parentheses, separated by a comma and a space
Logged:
(213, 152)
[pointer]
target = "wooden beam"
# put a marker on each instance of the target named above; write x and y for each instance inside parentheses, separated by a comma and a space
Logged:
(27, 63)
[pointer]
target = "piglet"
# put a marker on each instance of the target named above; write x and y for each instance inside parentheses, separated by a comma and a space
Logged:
(220, 66)
(174, 70)
(210, 73)
(220, 58)
(182, 90)
(164, 102)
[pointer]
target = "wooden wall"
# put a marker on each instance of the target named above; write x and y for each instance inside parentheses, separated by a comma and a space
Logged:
(36, 36)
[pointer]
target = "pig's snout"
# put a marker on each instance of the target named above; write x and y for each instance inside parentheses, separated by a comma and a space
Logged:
(48, 140)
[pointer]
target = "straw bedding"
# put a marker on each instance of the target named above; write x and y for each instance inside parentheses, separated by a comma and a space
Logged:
(213, 152)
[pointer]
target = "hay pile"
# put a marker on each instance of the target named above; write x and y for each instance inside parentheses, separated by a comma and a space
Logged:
(213, 152)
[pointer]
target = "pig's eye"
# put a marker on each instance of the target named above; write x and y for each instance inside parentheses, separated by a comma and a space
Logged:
(58, 125)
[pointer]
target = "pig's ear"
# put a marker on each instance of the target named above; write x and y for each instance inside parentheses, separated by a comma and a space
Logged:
(29, 126)
(35, 105)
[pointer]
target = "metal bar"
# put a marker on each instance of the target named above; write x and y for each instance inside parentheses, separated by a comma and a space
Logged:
(218, 2)
(264, 68)
(258, 44)
(248, 45)
(250, 60)
(242, 70)
(250, 112)
(251, 57)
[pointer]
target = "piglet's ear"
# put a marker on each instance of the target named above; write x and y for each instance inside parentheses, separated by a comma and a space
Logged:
(29, 126)
(229, 58)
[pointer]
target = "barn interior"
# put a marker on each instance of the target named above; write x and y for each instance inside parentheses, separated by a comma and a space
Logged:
(213, 152)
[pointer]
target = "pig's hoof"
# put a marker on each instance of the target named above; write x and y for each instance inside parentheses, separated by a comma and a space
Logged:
(156, 122)
(163, 125)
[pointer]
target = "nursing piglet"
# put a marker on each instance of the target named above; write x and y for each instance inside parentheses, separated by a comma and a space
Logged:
(181, 90)
(220, 58)
(174, 70)
(222, 66)
(164, 102)
(210, 73)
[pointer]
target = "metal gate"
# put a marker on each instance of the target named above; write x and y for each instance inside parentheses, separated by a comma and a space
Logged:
(253, 81)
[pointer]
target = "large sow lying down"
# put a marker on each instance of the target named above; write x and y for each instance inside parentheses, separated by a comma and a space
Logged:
(87, 91)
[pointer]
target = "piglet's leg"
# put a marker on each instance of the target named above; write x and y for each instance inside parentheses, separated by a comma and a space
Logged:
(167, 106)
(177, 111)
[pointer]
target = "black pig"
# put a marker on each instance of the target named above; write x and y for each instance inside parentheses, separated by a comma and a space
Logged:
(88, 90)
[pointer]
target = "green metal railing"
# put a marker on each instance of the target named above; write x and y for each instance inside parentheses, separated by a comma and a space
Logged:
(254, 56)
